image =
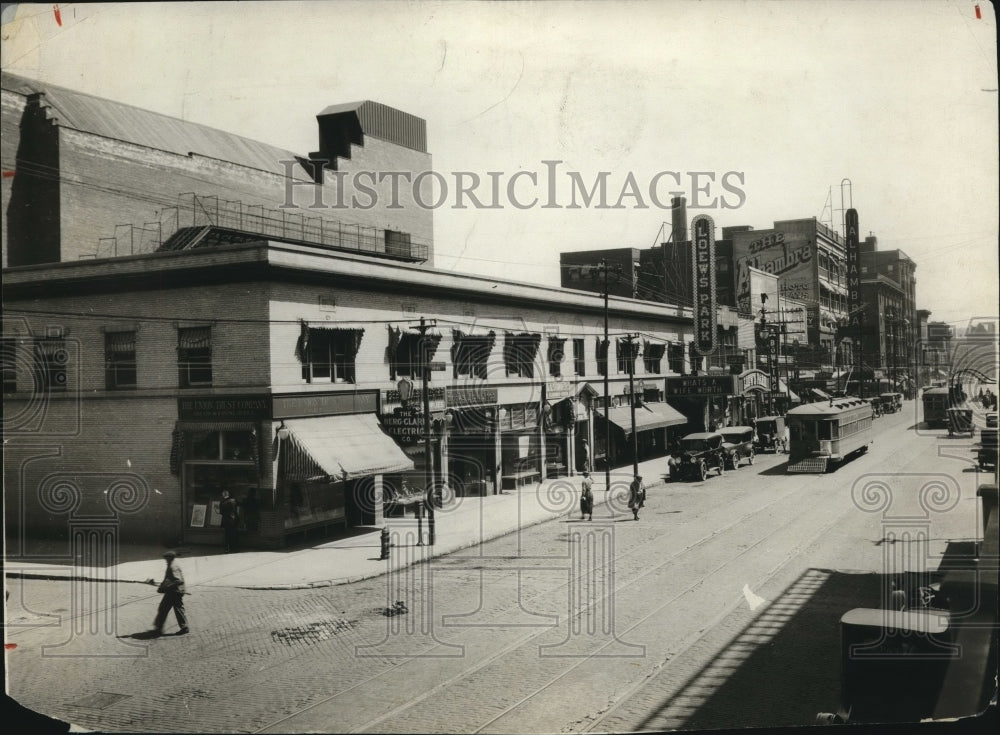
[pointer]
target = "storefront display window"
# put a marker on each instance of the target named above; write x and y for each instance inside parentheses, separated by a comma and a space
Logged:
(216, 461)
(314, 502)
(203, 486)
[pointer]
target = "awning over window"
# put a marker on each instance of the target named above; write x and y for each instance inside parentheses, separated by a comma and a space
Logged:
(339, 448)
(820, 394)
(784, 389)
(647, 416)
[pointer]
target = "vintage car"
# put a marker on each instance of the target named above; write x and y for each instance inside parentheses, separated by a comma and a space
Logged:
(960, 421)
(987, 449)
(876, 406)
(991, 420)
(738, 443)
(891, 402)
(770, 434)
(696, 454)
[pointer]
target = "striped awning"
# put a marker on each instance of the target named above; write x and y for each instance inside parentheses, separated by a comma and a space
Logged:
(647, 416)
(336, 448)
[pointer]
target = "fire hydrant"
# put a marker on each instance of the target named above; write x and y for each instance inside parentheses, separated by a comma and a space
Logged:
(385, 543)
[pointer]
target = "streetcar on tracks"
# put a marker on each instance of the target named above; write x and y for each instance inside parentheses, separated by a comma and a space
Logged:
(936, 402)
(826, 433)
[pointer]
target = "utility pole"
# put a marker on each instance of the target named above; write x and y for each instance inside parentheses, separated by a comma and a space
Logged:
(425, 369)
(631, 393)
(607, 398)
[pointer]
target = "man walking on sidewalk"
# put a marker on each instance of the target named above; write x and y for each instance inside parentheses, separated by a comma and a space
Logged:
(173, 591)
(228, 508)
(636, 496)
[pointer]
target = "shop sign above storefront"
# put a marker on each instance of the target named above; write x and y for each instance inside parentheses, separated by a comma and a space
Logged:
(470, 396)
(229, 408)
(433, 394)
(304, 405)
(702, 385)
(405, 425)
(556, 390)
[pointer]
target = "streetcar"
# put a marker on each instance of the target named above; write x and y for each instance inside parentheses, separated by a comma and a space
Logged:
(825, 433)
(936, 401)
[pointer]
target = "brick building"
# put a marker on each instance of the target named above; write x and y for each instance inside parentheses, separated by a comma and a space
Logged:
(90, 177)
(269, 366)
(172, 329)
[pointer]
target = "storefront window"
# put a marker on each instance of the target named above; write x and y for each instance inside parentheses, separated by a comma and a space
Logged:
(237, 445)
(222, 445)
(203, 486)
(203, 445)
(315, 502)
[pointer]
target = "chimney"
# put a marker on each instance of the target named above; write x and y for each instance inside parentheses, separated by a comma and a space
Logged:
(679, 219)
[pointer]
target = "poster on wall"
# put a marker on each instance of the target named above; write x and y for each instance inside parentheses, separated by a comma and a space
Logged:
(198, 516)
(215, 517)
(523, 445)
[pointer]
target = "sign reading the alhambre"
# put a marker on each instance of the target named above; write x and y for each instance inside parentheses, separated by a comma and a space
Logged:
(787, 254)
(228, 408)
(703, 283)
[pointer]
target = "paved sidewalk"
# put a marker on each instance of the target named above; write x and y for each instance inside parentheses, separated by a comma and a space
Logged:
(462, 522)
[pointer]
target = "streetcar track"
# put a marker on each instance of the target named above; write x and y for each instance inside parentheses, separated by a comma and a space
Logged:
(513, 646)
(691, 639)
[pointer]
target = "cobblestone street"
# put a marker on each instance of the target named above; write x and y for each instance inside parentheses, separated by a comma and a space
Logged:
(609, 625)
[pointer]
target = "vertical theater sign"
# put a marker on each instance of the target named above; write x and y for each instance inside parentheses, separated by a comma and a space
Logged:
(703, 283)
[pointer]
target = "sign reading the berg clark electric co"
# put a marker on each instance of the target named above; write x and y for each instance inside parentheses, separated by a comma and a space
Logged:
(703, 283)
(406, 425)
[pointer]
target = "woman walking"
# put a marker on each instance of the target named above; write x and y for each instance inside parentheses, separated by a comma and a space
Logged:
(587, 497)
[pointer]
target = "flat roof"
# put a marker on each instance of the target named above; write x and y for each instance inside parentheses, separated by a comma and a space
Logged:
(276, 260)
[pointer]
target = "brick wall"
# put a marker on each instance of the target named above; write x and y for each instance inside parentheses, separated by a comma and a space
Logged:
(107, 183)
(114, 443)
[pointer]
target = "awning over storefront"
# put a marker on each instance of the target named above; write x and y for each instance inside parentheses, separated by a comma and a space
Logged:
(647, 416)
(339, 448)
(820, 394)
(785, 390)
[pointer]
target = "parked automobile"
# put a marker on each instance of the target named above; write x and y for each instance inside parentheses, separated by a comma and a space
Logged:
(738, 443)
(987, 449)
(696, 454)
(891, 402)
(960, 421)
(770, 434)
(991, 420)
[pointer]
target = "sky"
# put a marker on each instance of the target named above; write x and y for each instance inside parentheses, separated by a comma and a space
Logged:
(782, 101)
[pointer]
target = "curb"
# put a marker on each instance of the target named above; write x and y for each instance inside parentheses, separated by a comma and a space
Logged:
(319, 584)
